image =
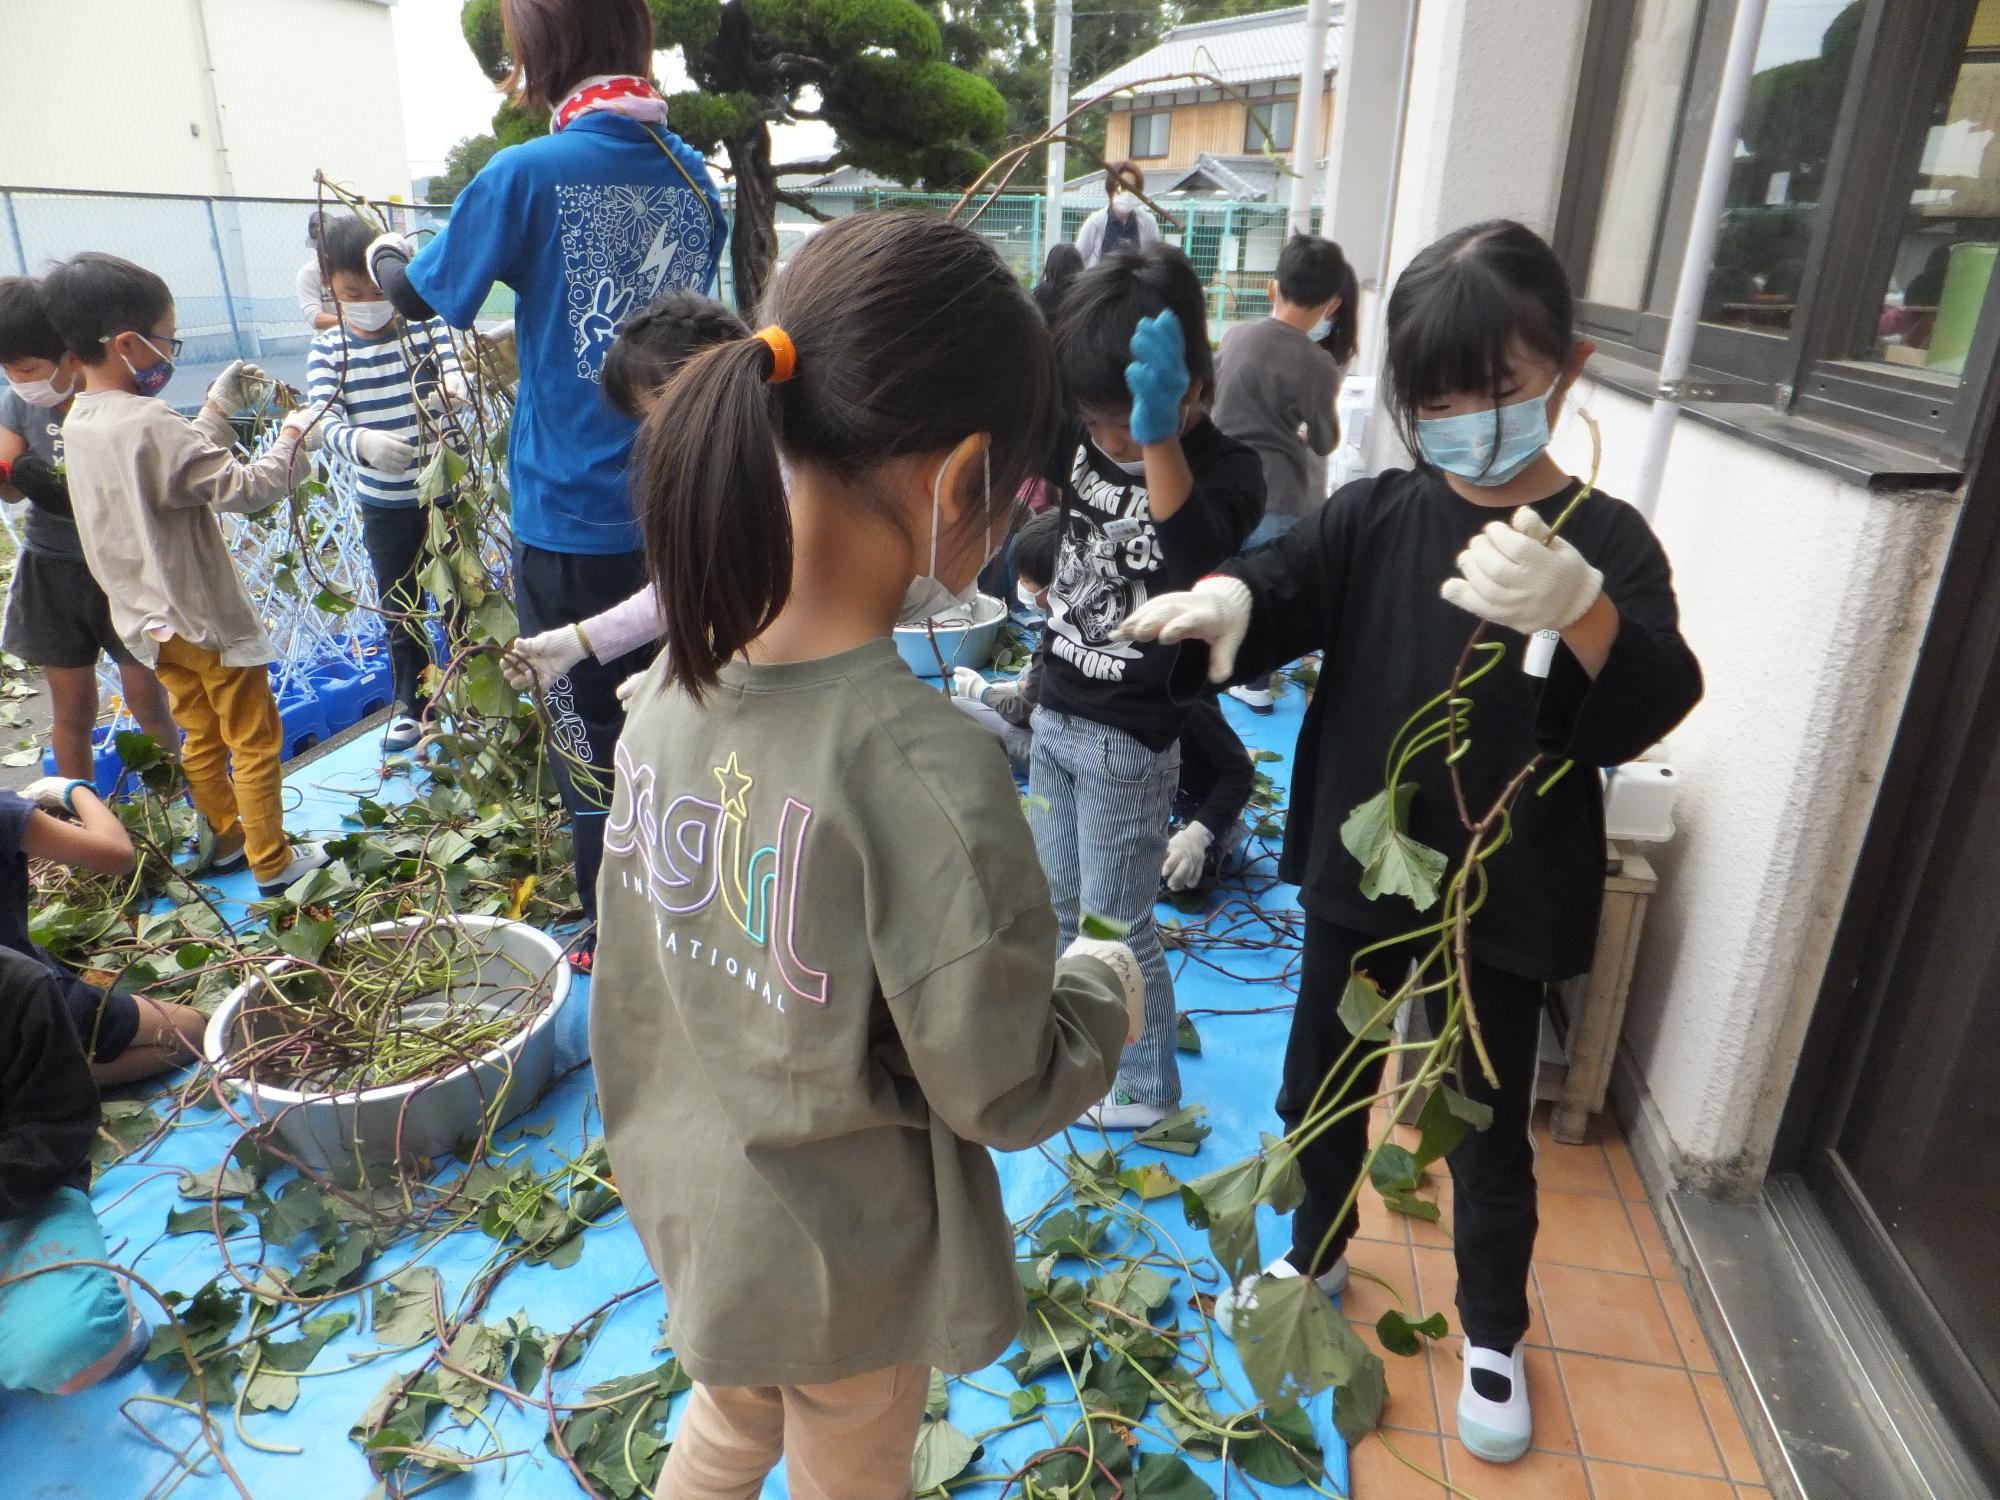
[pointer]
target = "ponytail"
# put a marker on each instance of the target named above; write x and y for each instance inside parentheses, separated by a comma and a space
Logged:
(718, 530)
(1341, 338)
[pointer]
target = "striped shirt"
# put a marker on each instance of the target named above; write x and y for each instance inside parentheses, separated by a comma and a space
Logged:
(381, 392)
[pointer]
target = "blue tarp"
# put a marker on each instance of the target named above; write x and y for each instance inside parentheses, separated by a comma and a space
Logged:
(81, 1446)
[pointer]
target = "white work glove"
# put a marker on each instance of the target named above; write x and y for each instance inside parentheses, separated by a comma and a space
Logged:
(303, 424)
(385, 451)
(1521, 576)
(54, 794)
(1186, 852)
(966, 683)
(1216, 610)
(1119, 959)
(456, 391)
(392, 242)
(237, 386)
(535, 661)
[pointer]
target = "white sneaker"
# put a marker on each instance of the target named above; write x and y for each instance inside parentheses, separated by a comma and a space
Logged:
(305, 859)
(402, 736)
(1255, 696)
(1238, 1300)
(1118, 1110)
(1494, 1427)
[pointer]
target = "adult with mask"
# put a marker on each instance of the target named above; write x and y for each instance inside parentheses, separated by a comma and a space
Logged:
(315, 296)
(1124, 223)
(587, 224)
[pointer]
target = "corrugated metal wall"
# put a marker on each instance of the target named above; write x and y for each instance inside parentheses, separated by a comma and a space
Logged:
(300, 84)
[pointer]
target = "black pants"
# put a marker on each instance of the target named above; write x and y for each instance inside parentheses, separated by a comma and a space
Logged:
(585, 716)
(395, 542)
(1492, 1171)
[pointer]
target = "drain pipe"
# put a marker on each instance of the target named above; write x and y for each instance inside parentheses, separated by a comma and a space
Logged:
(1717, 164)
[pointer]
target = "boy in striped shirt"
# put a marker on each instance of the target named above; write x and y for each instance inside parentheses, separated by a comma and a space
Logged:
(368, 375)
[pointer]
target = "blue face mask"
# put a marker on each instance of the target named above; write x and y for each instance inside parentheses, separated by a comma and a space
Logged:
(1465, 444)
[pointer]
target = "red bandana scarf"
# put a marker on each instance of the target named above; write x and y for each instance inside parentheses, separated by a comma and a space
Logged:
(624, 95)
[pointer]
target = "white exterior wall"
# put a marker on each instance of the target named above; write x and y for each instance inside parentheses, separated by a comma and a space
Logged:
(1804, 597)
(298, 84)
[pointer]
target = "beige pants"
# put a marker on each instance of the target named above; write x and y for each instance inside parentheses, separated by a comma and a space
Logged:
(848, 1440)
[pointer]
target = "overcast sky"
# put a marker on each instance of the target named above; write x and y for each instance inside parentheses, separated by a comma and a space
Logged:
(446, 97)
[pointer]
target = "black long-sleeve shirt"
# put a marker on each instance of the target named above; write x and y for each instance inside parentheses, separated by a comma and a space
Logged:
(48, 1101)
(1359, 580)
(1114, 555)
(1217, 774)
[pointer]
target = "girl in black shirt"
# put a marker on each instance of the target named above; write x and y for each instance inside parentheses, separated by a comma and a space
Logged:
(1386, 579)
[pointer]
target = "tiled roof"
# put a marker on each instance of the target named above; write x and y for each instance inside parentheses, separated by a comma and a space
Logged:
(1242, 49)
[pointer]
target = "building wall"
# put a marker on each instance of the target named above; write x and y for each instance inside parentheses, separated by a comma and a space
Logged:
(1804, 597)
(298, 85)
(1216, 127)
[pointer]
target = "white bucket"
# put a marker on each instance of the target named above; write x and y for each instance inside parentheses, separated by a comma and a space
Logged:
(429, 1117)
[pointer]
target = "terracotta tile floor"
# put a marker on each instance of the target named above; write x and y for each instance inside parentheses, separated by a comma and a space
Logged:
(1627, 1402)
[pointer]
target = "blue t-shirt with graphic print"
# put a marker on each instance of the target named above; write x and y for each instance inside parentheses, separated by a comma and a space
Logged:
(587, 226)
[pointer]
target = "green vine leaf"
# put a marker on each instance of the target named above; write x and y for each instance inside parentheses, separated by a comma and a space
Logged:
(1288, 1453)
(1165, 1476)
(1401, 1336)
(1294, 1343)
(1023, 1402)
(402, 1307)
(1475, 1114)
(1071, 1232)
(939, 1400)
(1133, 1288)
(221, 1181)
(1150, 1180)
(1358, 1404)
(1181, 1132)
(275, 1387)
(1394, 1169)
(943, 1453)
(1187, 1037)
(1439, 1130)
(125, 1126)
(1360, 1005)
(1392, 863)
(201, 1220)
(1410, 1205)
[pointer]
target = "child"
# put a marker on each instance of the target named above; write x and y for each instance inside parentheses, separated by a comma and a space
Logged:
(1152, 497)
(1276, 389)
(1482, 350)
(60, 1331)
(834, 1028)
(1216, 773)
(369, 380)
(648, 350)
(586, 224)
(1007, 709)
(125, 1037)
(145, 482)
(57, 617)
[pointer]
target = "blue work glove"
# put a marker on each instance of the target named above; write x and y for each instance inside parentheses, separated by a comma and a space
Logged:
(1157, 378)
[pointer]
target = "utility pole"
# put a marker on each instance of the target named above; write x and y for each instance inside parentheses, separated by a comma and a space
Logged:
(1052, 225)
(1305, 132)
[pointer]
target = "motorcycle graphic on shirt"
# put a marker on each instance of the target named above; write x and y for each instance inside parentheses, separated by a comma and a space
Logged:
(1107, 552)
(622, 245)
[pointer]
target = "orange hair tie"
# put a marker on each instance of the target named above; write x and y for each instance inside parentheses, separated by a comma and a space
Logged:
(784, 353)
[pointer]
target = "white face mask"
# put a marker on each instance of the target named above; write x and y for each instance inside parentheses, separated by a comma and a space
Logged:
(367, 317)
(42, 393)
(1028, 597)
(929, 595)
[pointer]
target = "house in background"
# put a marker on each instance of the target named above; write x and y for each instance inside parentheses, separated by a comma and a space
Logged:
(1171, 125)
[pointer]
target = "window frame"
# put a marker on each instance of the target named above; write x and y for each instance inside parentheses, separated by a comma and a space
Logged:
(1813, 369)
(1254, 142)
(1166, 134)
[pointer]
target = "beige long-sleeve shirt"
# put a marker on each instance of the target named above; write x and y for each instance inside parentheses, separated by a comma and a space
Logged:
(826, 983)
(146, 483)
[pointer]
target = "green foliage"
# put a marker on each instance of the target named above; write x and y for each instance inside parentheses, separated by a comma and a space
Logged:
(485, 34)
(1392, 863)
(943, 1453)
(620, 1438)
(708, 121)
(1181, 1132)
(462, 163)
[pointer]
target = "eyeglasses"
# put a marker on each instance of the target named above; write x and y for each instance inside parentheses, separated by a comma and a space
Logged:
(171, 349)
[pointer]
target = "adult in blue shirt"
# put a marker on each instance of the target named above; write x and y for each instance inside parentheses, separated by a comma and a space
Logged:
(587, 225)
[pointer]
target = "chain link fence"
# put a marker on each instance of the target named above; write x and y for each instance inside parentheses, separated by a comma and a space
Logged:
(233, 262)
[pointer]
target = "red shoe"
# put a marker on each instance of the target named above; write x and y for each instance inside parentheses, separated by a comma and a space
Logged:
(583, 958)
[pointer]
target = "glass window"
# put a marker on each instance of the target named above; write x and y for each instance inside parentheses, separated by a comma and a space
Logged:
(1951, 221)
(1149, 134)
(1642, 142)
(1270, 126)
(1803, 59)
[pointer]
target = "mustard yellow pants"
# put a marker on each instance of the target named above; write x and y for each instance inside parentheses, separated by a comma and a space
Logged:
(233, 755)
